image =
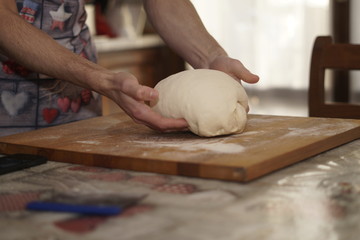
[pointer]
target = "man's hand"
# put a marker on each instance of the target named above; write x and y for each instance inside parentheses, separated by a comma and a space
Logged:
(131, 97)
(234, 68)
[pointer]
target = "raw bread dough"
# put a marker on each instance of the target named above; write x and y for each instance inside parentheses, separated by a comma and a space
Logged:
(212, 102)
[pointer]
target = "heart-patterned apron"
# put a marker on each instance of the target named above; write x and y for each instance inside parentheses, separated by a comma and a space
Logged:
(30, 100)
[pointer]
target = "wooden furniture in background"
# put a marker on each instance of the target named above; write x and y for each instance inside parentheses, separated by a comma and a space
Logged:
(148, 58)
(340, 12)
(329, 55)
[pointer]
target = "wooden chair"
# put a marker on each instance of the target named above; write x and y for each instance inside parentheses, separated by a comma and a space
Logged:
(329, 55)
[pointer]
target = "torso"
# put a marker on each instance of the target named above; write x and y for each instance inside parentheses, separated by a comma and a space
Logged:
(31, 100)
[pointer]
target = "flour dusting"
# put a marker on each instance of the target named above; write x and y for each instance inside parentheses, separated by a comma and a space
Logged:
(196, 146)
(321, 130)
(89, 142)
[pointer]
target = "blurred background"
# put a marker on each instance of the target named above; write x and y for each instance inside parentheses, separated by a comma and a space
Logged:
(273, 38)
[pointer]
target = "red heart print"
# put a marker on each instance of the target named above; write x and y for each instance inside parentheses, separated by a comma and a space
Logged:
(16, 201)
(75, 105)
(150, 180)
(177, 188)
(7, 69)
(50, 114)
(64, 104)
(134, 210)
(82, 224)
(11, 67)
(86, 96)
(111, 177)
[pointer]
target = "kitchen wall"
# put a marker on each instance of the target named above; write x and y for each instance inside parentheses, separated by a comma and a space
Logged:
(355, 38)
(273, 38)
(355, 21)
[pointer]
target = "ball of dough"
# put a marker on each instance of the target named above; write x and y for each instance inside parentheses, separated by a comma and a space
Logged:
(212, 102)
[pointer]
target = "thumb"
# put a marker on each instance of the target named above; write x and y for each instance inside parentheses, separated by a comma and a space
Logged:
(244, 74)
(132, 88)
(144, 93)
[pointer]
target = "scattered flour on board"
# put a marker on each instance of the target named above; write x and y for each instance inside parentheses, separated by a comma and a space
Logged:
(45, 137)
(195, 146)
(325, 129)
(89, 142)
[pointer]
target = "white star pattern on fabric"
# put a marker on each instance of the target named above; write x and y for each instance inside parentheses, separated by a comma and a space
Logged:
(59, 17)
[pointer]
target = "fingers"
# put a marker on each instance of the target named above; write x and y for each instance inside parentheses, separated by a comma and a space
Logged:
(242, 73)
(131, 98)
(144, 93)
(131, 87)
(249, 77)
(234, 68)
(143, 114)
(159, 123)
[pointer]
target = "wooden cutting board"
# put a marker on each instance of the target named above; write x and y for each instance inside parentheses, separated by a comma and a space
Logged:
(268, 143)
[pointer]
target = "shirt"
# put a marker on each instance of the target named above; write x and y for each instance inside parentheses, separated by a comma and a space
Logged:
(31, 100)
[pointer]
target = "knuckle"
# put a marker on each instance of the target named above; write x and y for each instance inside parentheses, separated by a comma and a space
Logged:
(237, 62)
(138, 114)
(162, 127)
(140, 93)
(125, 84)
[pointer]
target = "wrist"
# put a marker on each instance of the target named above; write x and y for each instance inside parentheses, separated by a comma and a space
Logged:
(100, 80)
(213, 54)
(89, 75)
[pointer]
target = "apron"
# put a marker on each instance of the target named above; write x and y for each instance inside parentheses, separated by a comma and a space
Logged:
(30, 100)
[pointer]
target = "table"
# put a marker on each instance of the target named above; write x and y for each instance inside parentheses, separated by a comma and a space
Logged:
(316, 199)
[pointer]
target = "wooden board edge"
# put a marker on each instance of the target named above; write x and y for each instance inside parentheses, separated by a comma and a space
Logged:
(311, 150)
(214, 172)
(211, 171)
(93, 159)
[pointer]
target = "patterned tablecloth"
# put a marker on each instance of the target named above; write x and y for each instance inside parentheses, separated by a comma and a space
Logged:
(316, 199)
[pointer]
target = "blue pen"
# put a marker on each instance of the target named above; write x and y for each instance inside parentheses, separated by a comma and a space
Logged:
(74, 208)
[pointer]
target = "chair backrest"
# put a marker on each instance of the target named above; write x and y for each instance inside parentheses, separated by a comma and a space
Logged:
(329, 55)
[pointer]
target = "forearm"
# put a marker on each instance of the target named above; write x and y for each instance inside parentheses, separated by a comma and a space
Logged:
(37, 51)
(181, 28)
